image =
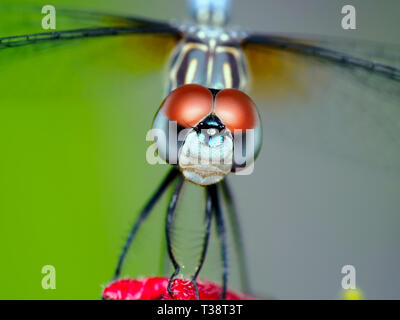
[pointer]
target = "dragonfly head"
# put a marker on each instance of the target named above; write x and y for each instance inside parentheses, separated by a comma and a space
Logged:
(207, 132)
(210, 12)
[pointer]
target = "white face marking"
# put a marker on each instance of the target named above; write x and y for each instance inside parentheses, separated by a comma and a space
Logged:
(205, 165)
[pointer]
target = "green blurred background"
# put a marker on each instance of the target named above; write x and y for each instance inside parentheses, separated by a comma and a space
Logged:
(73, 173)
(73, 120)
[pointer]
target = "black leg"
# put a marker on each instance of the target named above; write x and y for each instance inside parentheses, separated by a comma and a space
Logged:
(234, 222)
(143, 215)
(208, 218)
(222, 235)
(168, 227)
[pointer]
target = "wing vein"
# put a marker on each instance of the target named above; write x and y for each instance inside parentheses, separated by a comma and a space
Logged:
(20, 40)
(327, 54)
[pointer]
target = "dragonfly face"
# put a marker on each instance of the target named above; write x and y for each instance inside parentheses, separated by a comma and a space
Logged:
(206, 129)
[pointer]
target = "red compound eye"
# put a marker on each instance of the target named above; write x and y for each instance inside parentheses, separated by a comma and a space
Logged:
(236, 110)
(188, 104)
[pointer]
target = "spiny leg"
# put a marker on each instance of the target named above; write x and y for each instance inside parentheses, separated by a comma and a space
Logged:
(222, 236)
(143, 215)
(168, 228)
(234, 222)
(208, 218)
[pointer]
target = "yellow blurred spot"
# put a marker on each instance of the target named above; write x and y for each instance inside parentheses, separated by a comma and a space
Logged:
(274, 72)
(352, 294)
(277, 74)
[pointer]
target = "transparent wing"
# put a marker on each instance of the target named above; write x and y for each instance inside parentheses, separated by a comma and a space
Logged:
(384, 53)
(22, 25)
(334, 103)
(366, 56)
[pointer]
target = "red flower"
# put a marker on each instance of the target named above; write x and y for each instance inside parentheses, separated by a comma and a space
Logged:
(156, 289)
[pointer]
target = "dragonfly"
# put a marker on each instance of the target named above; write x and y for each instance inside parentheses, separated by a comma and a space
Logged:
(217, 76)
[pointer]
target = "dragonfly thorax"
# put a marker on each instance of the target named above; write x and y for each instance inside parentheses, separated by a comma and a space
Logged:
(209, 56)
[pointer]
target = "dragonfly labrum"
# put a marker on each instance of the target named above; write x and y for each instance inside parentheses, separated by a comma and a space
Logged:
(211, 123)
